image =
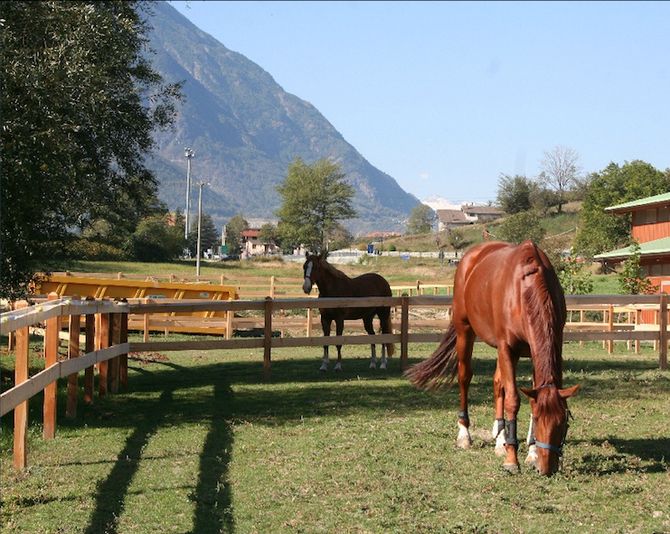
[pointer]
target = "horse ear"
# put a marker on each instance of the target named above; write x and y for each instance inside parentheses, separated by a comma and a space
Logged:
(569, 392)
(529, 392)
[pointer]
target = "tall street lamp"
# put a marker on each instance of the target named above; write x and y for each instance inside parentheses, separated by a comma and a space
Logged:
(197, 253)
(189, 154)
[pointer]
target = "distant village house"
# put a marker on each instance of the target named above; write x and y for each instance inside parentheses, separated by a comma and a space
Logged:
(468, 214)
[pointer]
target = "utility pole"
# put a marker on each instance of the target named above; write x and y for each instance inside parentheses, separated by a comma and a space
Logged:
(189, 154)
(197, 254)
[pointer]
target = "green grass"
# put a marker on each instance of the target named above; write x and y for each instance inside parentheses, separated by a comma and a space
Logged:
(201, 443)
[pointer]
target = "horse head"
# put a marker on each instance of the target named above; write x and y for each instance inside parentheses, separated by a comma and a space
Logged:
(311, 269)
(550, 423)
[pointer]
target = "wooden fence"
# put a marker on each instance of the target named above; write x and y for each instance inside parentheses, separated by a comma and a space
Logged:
(106, 341)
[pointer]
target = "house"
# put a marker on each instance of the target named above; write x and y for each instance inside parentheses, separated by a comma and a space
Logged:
(468, 214)
(650, 218)
(253, 246)
(482, 214)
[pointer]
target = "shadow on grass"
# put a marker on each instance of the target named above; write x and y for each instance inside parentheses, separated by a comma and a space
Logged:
(212, 495)
(617, 456)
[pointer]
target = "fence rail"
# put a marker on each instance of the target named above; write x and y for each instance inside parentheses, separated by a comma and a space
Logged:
(106, 340)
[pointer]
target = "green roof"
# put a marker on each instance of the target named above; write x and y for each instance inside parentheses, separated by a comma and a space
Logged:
(658, 246)
(656, 199)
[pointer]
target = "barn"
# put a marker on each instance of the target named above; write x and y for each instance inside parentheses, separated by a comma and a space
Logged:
(650, 219)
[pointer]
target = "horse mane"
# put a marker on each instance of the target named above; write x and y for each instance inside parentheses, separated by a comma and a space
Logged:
(545, 311)
(336, 273)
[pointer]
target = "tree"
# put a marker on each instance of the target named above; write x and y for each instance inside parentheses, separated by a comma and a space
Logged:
(155, 240)
(456, 239)
(575, 280)
(339, 237)
(269, 234)
(79, 101)
(630, 277)
(421, 220)
(560, 170)
(234, 229)
(599, 230)
(521, 226)
(514, 193)
(314, 198)
(209, 235)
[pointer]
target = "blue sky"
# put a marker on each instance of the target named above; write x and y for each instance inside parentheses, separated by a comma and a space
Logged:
(446, 96)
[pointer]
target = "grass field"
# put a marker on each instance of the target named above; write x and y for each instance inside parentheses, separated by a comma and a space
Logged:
(200, 443)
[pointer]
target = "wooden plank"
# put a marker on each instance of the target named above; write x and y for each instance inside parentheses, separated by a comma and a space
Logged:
(404, 331)
(10, 399)
(21, 411)
(222, 344)
(102, 342)
(625, 335)
(123, 358)
(267, 337)
(114, 363)
(89, 376)
(74, 325)
(51, 341)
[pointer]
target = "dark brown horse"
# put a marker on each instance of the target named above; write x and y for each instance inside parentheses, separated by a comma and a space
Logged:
(334, 283)
(508, 296)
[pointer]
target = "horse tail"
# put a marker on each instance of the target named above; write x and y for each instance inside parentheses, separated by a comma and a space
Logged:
(441, 367)
(388, 328)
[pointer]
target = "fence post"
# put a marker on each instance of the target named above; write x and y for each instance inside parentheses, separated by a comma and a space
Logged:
(272, 287)
(663, 332)
(229, 320)
(21, 375)
(50, 358)
(145, 337)
(115, 339)
(89, 377)
(123, 358)
(309, 322)
(404, 332)
(610, 327)
(74, 326)
(102, 342)
(267, 338)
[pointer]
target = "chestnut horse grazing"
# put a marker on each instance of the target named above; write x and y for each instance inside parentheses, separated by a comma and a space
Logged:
(334, 283)
(508, 296)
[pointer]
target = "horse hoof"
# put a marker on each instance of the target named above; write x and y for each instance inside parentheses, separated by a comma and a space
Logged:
(323, 368)
(512, 469)
(373, 365)
(464, 442)
(383, 365)
(338, 368)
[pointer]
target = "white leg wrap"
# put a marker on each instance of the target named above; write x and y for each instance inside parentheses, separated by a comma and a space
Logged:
(463, 440)
(338, 366)
(531, 428)
(383, 364)
(324, 365)
(531, 459)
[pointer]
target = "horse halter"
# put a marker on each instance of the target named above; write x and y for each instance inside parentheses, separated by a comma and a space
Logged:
(548, 446)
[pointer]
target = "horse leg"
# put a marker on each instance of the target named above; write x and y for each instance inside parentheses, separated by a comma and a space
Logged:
(498, 430)
(383, 315)
(507, 367)
(325, 325)
(367, 323)
(531, 458)
(464, 343)
(339, 328)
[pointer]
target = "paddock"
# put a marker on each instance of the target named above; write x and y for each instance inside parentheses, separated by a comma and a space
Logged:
(363, 444)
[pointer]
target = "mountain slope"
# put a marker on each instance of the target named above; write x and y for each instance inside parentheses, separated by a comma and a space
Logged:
(245, 130)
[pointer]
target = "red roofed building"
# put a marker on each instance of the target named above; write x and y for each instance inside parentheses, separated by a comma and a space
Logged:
(651, 229)
(253, 246)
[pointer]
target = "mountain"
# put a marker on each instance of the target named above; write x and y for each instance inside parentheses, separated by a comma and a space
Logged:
(245, 130)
